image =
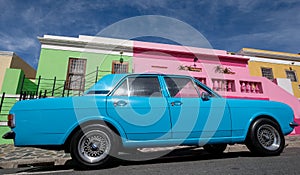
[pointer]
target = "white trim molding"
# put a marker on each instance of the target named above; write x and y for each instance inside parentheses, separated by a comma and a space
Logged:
(88, 44)
(275, 61)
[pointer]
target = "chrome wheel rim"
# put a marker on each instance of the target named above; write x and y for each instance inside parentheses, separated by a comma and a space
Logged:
(94, 146)
(268, 137)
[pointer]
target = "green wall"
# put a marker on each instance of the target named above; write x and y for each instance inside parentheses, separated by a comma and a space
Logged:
(54, 63)
(29, 85)
(12, 81)
(8, 103)
(11, 86)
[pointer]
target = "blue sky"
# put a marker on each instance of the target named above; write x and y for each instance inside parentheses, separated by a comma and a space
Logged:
(227, 24)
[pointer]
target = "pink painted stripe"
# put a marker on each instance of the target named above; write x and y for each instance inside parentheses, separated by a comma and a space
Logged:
(251, 98)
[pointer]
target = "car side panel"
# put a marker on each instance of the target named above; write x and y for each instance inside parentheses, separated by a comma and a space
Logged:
(244, 112)
(49, 121)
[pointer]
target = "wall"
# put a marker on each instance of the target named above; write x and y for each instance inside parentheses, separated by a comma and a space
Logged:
(54, 63)
(5, 61)
(11, 60)
(278, 72)
(285, 84)
(18, 63)
(169, 59)
(11, 85)
(7, 105)
(12, 81)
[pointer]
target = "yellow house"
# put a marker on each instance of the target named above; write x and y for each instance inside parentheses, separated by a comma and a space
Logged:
(280, 67)
(11, 60)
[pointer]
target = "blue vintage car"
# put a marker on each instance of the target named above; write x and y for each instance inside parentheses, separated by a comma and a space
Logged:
(148, 110)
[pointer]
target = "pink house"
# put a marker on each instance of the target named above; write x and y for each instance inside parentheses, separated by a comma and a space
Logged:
(226, 73)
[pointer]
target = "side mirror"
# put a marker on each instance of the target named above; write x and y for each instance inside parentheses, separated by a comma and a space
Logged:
(205, 96)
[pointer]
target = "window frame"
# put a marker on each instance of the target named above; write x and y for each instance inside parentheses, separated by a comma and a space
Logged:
(113, 71)
(267, 68)
(295, 75)
(69, 74)
(189, 78)
(129, 86)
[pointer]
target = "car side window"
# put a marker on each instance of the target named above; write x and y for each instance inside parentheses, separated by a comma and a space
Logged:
(181, 87)
(139, 86)
(122, 89)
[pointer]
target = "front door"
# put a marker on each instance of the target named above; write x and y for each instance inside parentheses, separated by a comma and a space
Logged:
(193, 117)
(140, 108)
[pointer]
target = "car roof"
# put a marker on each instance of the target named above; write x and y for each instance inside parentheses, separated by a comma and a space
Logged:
(109, 81)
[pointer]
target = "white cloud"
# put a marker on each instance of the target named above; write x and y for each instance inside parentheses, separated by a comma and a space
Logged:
(13, 43)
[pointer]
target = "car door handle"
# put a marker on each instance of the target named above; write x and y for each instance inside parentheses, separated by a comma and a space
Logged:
(120, 103)
(176, 103)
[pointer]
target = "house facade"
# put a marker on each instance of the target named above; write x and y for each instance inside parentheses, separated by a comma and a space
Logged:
(280, 67)
(228, 74)
(76, 63)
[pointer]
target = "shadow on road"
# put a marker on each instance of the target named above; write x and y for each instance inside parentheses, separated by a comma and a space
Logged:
(178, 155)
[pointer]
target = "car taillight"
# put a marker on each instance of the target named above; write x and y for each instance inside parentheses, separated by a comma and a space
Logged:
(11, 120)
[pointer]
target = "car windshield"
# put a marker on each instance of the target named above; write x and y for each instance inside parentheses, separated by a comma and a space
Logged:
(105, 84)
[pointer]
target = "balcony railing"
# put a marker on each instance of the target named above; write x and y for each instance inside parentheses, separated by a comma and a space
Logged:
(223, 85)
(251, 87)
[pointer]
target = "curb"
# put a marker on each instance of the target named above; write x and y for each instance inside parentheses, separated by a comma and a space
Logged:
(33, 162)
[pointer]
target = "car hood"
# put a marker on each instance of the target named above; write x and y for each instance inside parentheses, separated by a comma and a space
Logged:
(246, 103)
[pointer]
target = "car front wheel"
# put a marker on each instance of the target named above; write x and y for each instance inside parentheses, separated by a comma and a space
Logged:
(93, 146)
(265, 138)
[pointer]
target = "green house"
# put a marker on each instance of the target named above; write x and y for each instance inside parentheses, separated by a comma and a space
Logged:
(69, 65)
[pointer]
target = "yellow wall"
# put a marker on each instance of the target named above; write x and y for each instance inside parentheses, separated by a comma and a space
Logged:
(5, 61)
(278, 72)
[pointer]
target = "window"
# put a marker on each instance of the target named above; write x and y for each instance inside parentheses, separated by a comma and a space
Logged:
(76, 74)
(181, 87)
(290, 74)
(119, 68)
(122, 89)
(139, 86)
(267, 72)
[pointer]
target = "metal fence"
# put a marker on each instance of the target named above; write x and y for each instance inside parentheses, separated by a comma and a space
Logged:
(6, 102)
(44, 87)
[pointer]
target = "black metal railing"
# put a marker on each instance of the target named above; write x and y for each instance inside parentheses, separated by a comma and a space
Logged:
(6, 102)
(33, 88)
(45, 87)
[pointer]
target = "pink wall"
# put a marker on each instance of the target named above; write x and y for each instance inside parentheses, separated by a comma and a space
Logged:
(163, 58)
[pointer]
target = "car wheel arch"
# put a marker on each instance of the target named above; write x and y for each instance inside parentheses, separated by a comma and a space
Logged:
(259, 117)
(259, 137)
(106, 123)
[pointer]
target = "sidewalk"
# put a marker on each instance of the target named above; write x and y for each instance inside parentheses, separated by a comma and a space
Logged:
(14, 157)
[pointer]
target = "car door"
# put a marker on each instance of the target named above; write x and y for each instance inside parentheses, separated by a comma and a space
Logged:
(195, 117)
(140, 108)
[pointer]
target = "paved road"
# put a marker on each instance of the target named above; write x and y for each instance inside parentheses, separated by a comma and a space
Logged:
(194, 161)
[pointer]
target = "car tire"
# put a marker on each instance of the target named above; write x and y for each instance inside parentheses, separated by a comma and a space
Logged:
(94, 146)
(215, 148)
(265, 138)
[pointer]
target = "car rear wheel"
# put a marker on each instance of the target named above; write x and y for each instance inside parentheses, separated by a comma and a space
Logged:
(265, 138)
(93, 146)
(215, 148)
